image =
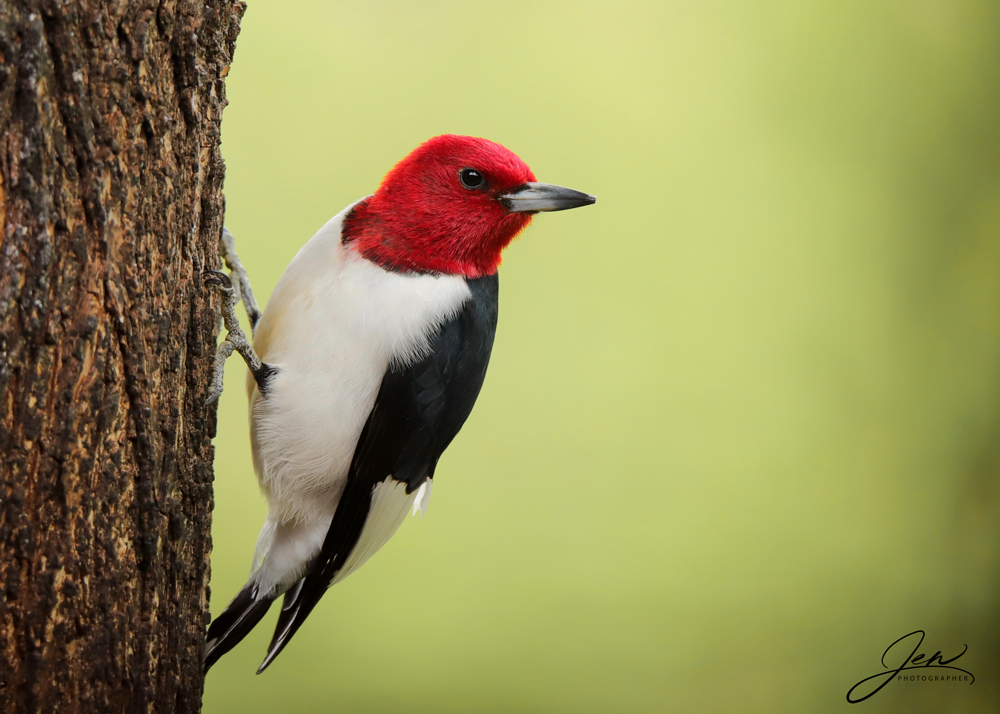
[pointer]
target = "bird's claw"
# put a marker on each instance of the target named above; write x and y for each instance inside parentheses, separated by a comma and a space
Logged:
(218, 280)
(232, 293)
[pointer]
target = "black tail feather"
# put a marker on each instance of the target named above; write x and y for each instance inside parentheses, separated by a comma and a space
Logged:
(235, 623)
(294, 609)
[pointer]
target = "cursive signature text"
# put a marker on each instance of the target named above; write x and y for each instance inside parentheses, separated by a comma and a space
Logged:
(910, 661)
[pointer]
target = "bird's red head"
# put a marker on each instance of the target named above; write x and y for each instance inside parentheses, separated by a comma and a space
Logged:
(451, 206)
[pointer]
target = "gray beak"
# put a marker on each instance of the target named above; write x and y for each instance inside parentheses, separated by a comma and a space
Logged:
(532, 197)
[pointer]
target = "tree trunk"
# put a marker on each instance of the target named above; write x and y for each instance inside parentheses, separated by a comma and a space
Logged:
(111, 208)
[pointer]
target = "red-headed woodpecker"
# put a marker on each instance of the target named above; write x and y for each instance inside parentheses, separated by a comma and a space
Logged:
(369, 358)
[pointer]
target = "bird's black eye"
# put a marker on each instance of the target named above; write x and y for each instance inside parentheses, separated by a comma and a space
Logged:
(471, 178)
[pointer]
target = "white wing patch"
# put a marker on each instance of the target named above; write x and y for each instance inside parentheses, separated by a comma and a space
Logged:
(390, 504)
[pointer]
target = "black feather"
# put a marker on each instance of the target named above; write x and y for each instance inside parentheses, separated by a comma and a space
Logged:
(235, 623)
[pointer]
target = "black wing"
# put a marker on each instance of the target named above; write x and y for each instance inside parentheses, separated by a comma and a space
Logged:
(418, 411)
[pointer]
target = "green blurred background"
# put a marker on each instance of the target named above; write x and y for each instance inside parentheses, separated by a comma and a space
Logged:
(741, 429)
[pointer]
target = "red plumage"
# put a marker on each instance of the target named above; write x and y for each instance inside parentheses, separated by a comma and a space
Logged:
(423, 219)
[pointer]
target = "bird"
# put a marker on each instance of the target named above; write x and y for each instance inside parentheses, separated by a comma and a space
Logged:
(371, 353)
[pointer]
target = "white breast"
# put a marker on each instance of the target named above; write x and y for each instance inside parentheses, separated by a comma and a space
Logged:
(331, 327)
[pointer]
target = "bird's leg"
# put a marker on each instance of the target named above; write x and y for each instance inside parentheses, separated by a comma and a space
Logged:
(235, 340)
(227, 249)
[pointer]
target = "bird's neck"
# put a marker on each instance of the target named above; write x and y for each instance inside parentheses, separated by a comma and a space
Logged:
(394, 241)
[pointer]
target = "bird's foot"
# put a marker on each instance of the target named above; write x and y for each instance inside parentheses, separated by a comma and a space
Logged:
(236, 340)
(227, 250)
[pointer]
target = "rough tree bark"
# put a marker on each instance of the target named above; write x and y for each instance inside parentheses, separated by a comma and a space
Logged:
(111, 208)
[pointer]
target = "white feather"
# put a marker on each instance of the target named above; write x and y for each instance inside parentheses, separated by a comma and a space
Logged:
(390, 503)
(286, 549)
(423, 498)
(332, 326)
